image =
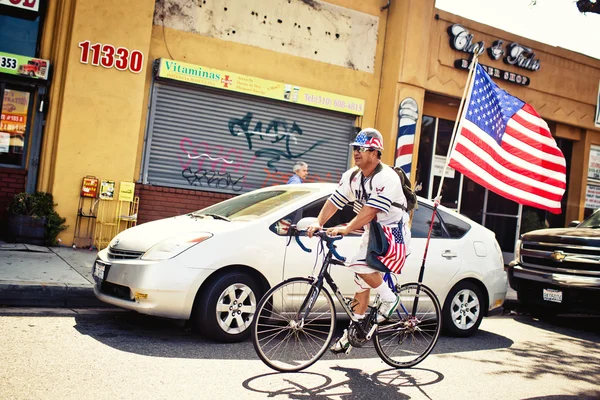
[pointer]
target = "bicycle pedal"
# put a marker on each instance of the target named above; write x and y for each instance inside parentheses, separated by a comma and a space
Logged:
(348, 350)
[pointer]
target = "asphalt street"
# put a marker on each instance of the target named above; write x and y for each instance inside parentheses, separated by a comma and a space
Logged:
(91, 354)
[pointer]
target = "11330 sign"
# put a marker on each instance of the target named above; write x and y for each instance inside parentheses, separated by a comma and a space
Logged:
(108, 56)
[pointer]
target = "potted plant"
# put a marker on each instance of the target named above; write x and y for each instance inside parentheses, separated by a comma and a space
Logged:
(32, 219)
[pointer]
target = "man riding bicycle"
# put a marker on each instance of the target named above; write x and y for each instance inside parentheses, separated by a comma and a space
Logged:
(376, 191)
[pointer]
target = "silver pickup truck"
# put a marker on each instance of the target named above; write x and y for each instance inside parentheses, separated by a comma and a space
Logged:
(558, 270)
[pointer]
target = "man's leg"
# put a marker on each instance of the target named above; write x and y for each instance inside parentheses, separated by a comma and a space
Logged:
(374, 280)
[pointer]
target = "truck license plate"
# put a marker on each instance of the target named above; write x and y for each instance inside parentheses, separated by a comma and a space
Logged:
(552, 295)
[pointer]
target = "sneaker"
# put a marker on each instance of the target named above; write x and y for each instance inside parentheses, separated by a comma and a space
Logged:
(341, 345)
(386, 309)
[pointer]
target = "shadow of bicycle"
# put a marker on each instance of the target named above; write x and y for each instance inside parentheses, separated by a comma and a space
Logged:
(309, 385)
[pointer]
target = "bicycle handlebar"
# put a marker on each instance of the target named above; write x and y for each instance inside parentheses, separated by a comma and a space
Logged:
(323, 236)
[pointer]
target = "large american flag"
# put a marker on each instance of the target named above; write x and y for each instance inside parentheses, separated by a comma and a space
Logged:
(505, 146)
(396, 254)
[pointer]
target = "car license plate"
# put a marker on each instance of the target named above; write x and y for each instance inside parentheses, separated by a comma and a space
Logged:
(552, 295)
(99, 270)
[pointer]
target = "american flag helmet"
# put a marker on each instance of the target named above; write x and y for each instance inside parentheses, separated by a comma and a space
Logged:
(369, 137)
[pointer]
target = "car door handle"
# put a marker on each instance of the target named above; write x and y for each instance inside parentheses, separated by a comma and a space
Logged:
(448, 254)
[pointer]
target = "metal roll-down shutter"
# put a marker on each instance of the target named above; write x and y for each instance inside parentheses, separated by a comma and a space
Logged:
(215, 140)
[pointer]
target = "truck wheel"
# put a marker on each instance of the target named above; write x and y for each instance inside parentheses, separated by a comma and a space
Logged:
(463, 310)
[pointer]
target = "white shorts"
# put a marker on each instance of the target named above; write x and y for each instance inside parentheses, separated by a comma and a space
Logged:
(358, 263)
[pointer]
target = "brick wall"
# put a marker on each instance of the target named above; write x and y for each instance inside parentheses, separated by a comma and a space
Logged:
(12, 181)
(161, 202)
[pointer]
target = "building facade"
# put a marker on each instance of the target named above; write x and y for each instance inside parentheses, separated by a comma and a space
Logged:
(195, 102)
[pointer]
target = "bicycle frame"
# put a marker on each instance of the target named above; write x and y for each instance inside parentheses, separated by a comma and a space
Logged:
(325, 276)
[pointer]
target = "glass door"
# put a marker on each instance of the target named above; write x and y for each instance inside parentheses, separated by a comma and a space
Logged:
(503, 217)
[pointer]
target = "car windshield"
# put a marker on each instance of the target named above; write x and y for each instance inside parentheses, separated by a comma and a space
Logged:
(254, 204)
(593, 221)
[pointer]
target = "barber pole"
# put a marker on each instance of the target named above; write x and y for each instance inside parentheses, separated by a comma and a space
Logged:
(408, 113)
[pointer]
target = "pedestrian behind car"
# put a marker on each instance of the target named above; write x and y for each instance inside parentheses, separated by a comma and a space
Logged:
(300, 173)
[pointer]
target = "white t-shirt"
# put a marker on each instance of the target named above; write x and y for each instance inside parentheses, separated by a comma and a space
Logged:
(386, 189)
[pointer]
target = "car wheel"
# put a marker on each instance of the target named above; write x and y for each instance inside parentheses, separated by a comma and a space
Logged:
(225, 309)
(463, 312)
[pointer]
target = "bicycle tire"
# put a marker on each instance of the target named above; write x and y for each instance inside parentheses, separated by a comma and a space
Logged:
(279, 340)
(403, 341)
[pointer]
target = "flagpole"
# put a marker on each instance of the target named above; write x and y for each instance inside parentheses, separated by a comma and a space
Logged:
(461, 111)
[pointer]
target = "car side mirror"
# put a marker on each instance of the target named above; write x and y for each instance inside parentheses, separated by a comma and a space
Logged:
(573, 224)
(304, 223)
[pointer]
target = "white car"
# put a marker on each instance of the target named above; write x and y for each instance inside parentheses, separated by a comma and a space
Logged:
(212, 266)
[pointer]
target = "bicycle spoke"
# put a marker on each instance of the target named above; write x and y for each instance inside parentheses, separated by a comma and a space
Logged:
(408, 339)
(282, 337)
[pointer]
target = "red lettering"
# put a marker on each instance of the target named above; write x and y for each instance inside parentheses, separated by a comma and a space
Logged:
(137, 61)
(85, 51)
(122, 59)
(96, 54)
(108, 59)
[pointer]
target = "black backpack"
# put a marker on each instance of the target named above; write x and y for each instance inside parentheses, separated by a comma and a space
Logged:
(409, 193)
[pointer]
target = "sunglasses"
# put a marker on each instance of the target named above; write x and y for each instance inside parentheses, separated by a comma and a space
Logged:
(362, 149)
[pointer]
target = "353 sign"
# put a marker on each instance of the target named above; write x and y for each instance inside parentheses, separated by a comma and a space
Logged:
(107, 56)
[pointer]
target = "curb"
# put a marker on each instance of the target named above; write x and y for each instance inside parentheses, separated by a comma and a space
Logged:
(68, 295)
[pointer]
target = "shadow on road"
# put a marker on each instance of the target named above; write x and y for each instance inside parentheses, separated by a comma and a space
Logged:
(386, 384)
(590, 395)
(151, 336)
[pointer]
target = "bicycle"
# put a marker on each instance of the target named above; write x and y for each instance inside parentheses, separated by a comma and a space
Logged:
(295, 320)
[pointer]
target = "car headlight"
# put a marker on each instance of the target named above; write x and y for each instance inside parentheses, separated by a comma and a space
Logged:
(175, 245)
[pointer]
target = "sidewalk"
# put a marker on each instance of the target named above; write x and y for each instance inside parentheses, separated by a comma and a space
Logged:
(40, 276)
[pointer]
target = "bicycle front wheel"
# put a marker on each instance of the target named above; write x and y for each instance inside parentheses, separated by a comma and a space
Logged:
(405, 340)
(283, 338)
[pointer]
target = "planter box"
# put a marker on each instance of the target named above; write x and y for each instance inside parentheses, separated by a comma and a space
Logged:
(26, 229)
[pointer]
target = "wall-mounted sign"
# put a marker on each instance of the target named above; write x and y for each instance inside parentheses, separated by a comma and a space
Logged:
(14, 64)
(108, 56)
(592, 196)
(205, 76)
(89, 187)
(495, 72)
(126, 191)
(514, 54)
(107, 190)
(594, 163)
(597, 120)
(32, 5)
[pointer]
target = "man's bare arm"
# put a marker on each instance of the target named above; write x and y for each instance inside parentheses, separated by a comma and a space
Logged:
(366, 215)
(326, 212)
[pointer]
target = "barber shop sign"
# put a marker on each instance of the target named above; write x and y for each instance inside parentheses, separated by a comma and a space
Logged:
(512, 54)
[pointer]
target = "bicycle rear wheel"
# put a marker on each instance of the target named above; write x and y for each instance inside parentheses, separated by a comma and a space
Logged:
(281, 337)
(404, 341)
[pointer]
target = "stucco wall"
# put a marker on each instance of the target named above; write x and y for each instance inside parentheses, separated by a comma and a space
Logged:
(311, 29)
(96, 118)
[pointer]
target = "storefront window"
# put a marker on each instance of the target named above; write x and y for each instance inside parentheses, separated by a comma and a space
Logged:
(19, 35)
(13, 126)
(425, 154)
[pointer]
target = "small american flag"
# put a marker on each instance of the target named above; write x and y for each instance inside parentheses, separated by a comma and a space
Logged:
(396, 254)
(505, 146)
(365, 140)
